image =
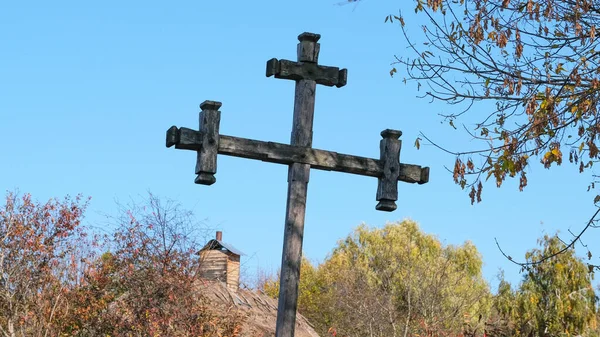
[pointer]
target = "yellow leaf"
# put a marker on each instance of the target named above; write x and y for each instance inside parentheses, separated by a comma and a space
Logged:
(417, 143)
(556, 152)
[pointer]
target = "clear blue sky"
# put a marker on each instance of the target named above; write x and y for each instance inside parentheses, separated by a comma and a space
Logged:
(88, 89)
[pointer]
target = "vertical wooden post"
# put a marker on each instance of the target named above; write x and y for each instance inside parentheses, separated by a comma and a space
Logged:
(298, 175)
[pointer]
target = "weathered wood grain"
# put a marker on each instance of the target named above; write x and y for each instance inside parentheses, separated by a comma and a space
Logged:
(213, 265)
(233, 271)
(317, 159)
(298, 177)
(301, 157)
(184, 138)
(287, 154)
(290, 70)
(387, 186)
(308, 48)
(206, 165)
(306, 68)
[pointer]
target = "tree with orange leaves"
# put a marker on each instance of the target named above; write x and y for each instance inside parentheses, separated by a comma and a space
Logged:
(40, 263)
(55, 282)
(147, 281)
(538, 63)
(522, 77)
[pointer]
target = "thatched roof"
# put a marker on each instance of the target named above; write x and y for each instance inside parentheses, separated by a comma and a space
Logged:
(259, 309)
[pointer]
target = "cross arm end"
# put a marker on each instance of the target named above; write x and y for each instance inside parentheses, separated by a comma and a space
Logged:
(342, 78)
(272, 67)
(386, 206)
(424, 176)
(184, 138)
(172, 136)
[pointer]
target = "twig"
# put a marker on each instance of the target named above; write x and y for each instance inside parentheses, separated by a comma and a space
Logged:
(547, 257)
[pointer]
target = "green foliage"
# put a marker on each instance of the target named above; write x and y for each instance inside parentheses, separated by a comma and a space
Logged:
(416, 284)
(555, 298)
(393, 281)
(310, 290)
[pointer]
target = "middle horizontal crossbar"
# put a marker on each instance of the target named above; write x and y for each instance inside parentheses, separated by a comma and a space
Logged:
(188, 139)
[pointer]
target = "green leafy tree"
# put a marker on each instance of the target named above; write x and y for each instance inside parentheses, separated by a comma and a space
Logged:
(411, 283)
(555, 298)
(505, 311)
(393, 281)
(311, 297)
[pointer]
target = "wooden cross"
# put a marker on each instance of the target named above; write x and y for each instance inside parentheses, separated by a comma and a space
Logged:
(300, 157)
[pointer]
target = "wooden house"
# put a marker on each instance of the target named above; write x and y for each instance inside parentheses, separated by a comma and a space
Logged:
(220, 261)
